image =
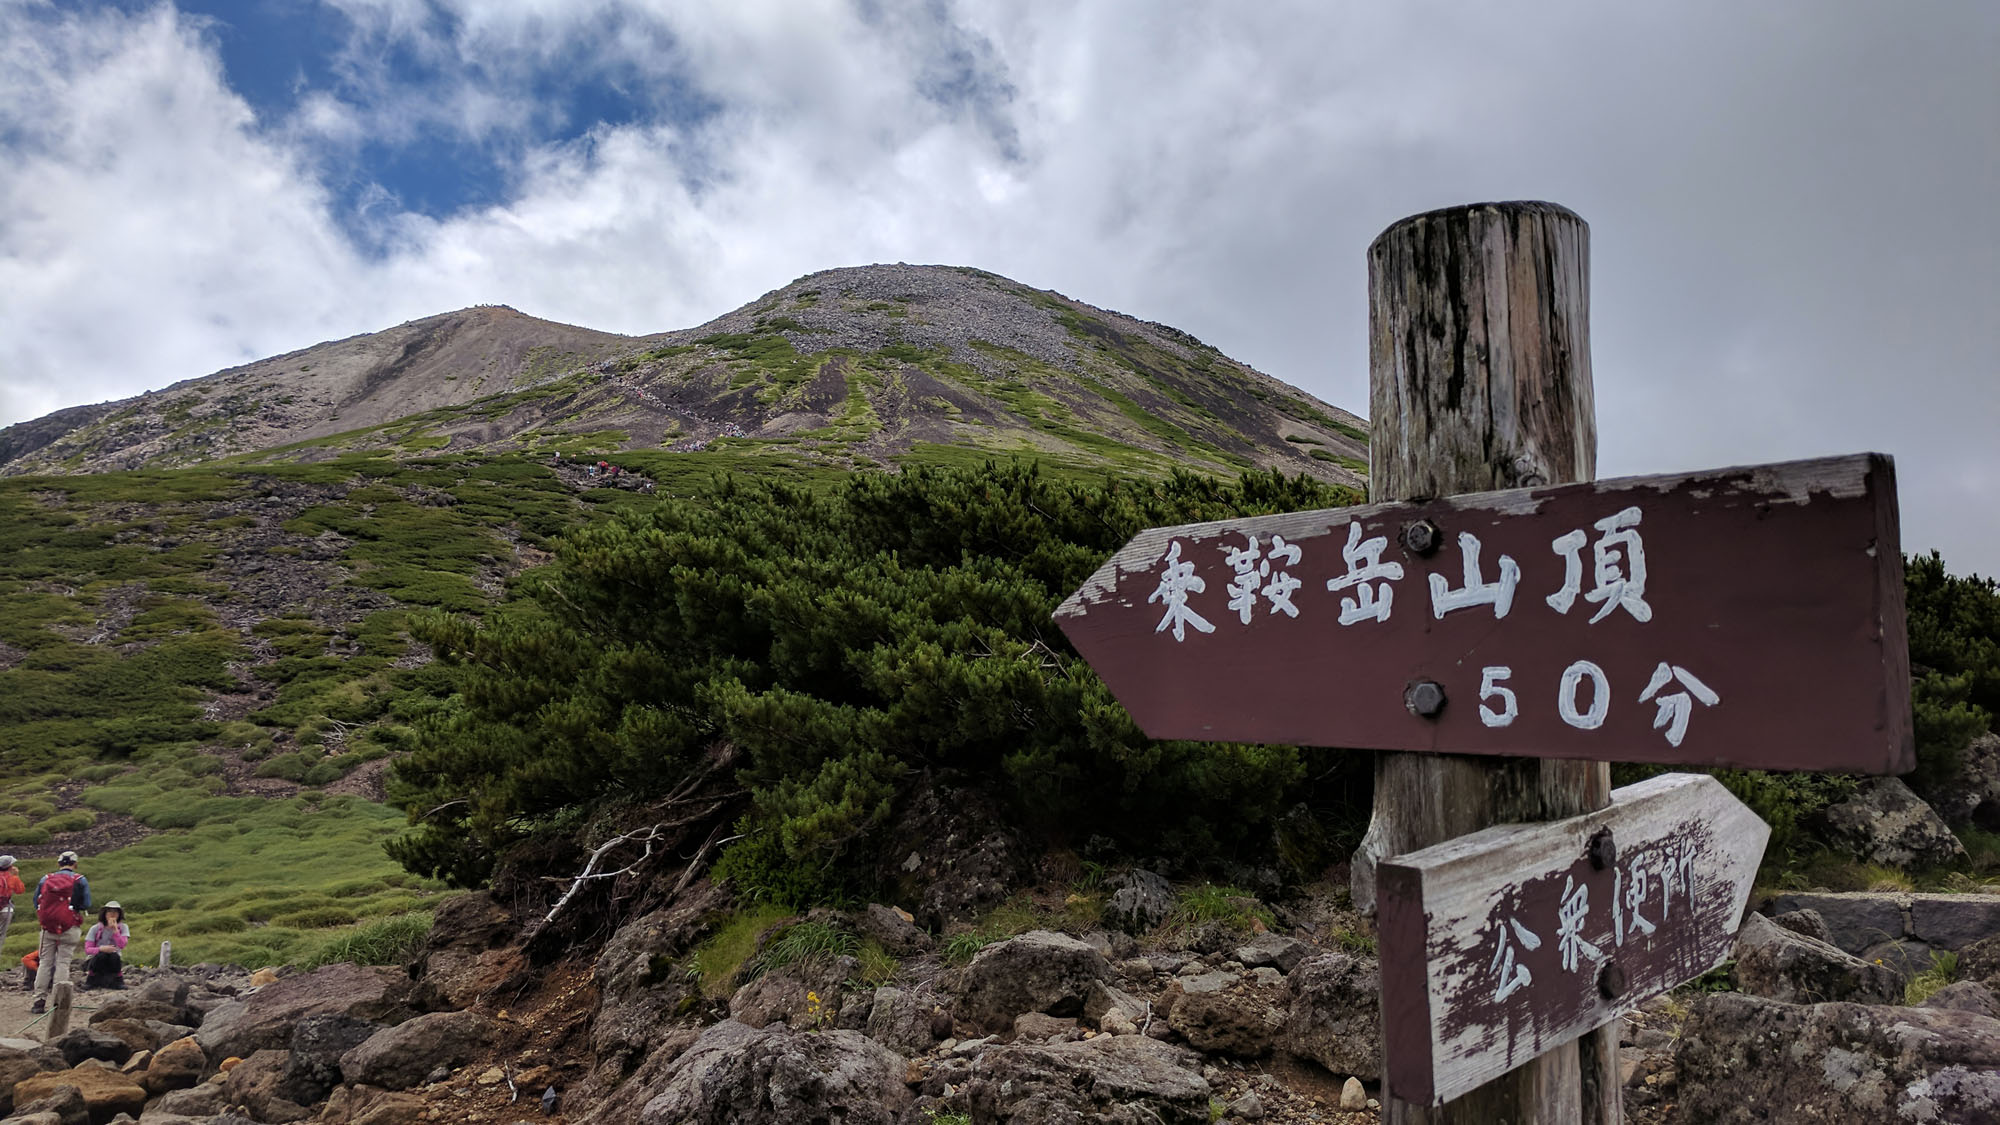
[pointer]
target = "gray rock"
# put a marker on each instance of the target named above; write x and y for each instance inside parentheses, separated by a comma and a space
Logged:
(638, 989)
(1275, 950)
(803, 995)
(1811, 923)
(896, 934)
(1745, 1059)
(1227, 1013)
(253, 1084)
(1854, 921)
(1970, 794)
(735, 1074)
(204, 1100)
(264, 1019)
(1038, 1027)
(1954, 921)
(1886, 823)
(901, 1021)
(471, 948)
(1966, 996)
(1980, 961)
(81, 1043)
(1121, 1079)
(1336, 1015)
(1113, 1010)
(1249, 1107)
(1039, 971)
(63, 1107)
(312, 1069)
(1140, 900)
(1777, 963)
(1907, 957)
(399, 1057)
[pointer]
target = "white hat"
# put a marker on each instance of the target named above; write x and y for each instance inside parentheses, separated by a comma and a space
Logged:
(6, 861)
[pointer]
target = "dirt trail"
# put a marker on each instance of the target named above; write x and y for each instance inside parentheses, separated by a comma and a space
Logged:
(16, 1022)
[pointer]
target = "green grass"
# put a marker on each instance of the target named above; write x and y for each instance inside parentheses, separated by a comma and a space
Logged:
(719, 960)
(255, 881)
(1943, 971)
(1231, 906)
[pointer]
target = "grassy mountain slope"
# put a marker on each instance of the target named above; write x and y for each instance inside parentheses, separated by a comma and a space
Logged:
(849, 367)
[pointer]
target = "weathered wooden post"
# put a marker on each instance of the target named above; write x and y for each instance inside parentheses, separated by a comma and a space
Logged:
(59, 1012)
(1479, 379)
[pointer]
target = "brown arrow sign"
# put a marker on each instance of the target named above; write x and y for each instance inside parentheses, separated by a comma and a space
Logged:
(1505, 944)
(1745, 617)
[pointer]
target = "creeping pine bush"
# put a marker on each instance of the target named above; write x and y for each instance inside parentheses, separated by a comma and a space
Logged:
(848, 641)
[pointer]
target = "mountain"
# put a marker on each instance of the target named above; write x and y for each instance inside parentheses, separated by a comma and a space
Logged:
(846, 367)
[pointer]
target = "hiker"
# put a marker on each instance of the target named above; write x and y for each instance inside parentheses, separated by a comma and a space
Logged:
(10, 885)
(61, 900)
(29, 961)
(104, 946)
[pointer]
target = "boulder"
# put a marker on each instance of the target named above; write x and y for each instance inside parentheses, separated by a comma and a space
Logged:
(201, 1101)
(1748, 1059)
(15, 1066)
(106, 1093)
(1036, 1027)
(140, 1035)
(1980, 961)
(1276, 950)
(608, 1098)
(735, 1074)
(895, 930)
(471, 949)
(1236, 1014)
(367, 1105)
(80, 1043)
(1140, 900)
(1126, 1079)
(253, 1084)
(638, 987)
(397, 1058)
(1811, 923)
(126, 1008)
(1777, 963)
(802, 995)
(1970, 794)
(1853, 921)
(1115, 1011)
(63, 1105)
(1966, 996)
(1336, 1015)
(175, 1066)
(312, 1069)
(901, 1021)
(264, 1019)
(1883, 822)
(1039, 971)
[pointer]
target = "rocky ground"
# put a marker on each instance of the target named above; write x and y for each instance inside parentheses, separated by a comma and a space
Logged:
(1135, 1011)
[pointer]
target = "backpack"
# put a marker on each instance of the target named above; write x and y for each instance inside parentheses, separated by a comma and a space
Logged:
(52, 903)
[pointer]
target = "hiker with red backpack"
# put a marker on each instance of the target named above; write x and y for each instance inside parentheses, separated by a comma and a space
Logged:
(62, 898)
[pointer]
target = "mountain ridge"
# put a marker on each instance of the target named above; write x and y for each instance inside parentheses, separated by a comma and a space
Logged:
(853, 366)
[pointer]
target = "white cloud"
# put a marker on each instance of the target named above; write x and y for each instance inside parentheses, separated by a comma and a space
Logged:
(1794, 248)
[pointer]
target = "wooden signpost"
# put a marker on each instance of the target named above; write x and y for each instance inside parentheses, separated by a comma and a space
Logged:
(1518, 627)
(1501, 945)
(1747, 617)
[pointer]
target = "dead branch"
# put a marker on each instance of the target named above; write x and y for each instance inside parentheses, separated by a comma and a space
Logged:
(694, 865)
(644, 836)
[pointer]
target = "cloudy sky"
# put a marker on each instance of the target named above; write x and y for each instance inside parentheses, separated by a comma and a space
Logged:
(1795, 204)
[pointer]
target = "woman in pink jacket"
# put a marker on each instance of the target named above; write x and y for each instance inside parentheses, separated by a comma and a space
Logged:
(104, 945)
